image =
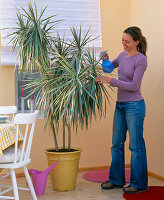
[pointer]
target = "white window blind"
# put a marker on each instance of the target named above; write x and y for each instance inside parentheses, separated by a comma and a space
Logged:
(73, 12)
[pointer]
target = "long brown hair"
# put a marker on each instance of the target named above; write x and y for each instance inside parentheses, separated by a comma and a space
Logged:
(136, 34)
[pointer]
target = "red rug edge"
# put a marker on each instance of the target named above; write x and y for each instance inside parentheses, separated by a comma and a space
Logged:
(153, 193)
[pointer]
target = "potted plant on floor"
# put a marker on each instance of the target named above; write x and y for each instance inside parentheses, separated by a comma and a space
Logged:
(68, 94)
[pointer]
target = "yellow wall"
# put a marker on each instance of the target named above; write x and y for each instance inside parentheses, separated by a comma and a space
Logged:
(7, 85)
(115, 17)
(149, 15)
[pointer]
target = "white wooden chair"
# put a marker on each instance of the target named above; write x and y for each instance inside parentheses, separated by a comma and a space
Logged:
(14, 158)
(8, 110)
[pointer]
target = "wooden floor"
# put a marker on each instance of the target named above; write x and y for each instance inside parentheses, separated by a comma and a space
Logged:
(85, 190)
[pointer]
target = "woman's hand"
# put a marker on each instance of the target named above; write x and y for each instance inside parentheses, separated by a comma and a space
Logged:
(105, 78)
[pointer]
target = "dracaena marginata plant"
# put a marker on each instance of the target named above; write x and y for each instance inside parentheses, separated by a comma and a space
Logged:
(68, 91)
(64, 72)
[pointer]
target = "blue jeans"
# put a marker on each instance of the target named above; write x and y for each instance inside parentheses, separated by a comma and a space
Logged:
(129, 116)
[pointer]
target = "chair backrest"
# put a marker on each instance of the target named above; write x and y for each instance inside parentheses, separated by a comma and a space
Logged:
(28, 120)
(8, 110)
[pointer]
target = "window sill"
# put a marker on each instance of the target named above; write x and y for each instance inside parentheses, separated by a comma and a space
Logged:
(7, 64)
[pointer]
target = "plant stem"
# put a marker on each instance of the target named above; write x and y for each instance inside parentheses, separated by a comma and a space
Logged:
(63, 133)
(69, 137)
(55, 138)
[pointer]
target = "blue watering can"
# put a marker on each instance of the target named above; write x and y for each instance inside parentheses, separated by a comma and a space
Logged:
(107, 65)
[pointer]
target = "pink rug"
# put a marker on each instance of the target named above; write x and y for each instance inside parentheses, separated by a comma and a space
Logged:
(102, 176)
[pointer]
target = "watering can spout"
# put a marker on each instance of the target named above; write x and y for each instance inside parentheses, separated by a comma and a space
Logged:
(47, 171)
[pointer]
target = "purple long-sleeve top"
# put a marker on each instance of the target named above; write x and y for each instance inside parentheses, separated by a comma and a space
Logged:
(130, 74)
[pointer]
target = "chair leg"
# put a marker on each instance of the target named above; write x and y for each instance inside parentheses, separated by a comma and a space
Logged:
(14, 182)
(30, 183)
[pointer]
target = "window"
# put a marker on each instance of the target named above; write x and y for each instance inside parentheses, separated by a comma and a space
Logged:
(73, 12)
(22, 81)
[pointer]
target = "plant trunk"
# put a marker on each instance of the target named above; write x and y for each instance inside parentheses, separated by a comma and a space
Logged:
(55, 138)
(63, 133)
(69, 137)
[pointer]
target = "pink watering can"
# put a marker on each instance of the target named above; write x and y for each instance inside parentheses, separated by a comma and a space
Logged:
(39, 179)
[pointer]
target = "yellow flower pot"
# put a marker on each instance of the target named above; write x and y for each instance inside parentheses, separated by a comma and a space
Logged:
(64, 174)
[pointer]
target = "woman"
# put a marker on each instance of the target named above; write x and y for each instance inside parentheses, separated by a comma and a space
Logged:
(129, 113)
